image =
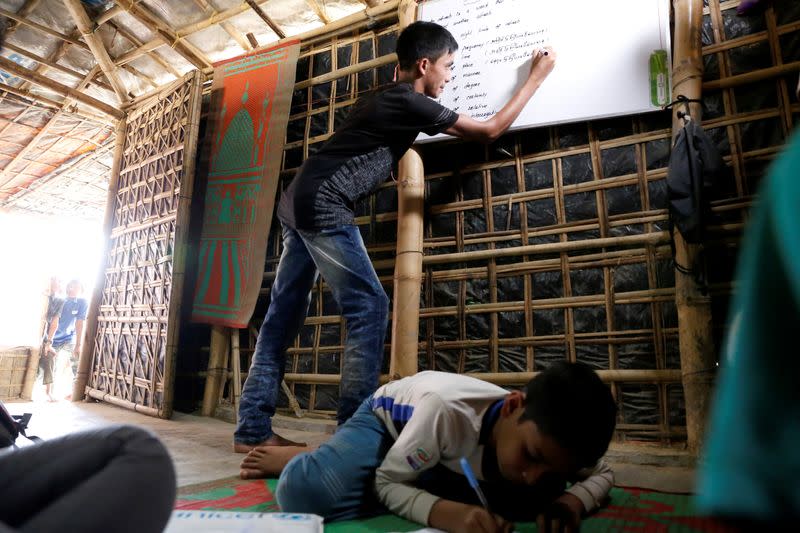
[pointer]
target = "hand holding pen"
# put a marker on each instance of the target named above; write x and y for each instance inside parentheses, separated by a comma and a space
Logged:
(478, 519)
(542, 61)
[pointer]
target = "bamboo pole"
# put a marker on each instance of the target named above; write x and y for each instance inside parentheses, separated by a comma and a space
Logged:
(408, 265)
(694, 308)
(269, 22)
(751, 77)
(229, 28)
(361, 16)
(42, 29)
(97, 48)
(220, 344)
(108, 15)
(52, 64)
(144, 15)
(136, 42)
(344, 25)
(138, 52)
(107, 397)
(30, 373)
(346, 71)
(34, 77)
(236, 367)
(318, 11)
(28, 7)
(34, 98)
(180, 243)
(33, 143)
(408, 262)
(549, 248)
(89, 344)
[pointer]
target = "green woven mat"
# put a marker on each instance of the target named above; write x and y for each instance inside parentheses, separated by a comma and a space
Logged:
(630, 510)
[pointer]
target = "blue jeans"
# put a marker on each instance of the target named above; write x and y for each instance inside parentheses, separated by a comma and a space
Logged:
(340, 256)
(337, 480)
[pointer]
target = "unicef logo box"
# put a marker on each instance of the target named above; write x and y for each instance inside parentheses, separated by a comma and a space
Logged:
(242, 522)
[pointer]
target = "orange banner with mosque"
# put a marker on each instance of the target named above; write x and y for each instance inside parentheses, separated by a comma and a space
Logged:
(251, 96)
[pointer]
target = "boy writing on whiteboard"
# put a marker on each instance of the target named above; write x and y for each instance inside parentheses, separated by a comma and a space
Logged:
(319, 234)
(404, 447)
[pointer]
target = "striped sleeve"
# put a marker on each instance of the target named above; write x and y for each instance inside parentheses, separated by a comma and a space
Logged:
(418, 447)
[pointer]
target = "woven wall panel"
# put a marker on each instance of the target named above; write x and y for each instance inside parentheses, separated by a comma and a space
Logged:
(137, 319)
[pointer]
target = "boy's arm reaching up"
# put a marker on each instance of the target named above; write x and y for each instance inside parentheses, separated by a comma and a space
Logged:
(488, 131)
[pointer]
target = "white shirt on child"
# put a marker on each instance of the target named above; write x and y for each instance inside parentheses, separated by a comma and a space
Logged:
(435, 417)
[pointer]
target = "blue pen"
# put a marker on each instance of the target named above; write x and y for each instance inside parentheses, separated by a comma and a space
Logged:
(473, 482)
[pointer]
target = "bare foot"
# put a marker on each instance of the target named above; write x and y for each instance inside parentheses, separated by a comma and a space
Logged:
(274, 440)
(68, 397)
(50, 398)
(268, 461)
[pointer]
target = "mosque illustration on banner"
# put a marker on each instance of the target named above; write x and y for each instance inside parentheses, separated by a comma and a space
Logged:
(235, 179)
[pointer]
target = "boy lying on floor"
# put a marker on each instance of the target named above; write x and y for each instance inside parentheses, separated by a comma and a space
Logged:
(401, 451)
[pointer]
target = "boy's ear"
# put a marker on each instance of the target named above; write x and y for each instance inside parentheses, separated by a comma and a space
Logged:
(512, 402)
(423, 65)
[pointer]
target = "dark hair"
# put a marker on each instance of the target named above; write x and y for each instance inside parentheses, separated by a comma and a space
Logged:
(423, 39)
(569, 403)
(3, 25)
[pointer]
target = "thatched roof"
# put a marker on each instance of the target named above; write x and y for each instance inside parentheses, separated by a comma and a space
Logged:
(69, 69)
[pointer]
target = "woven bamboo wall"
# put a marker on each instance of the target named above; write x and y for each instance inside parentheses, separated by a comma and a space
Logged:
(138, 316)
(601, 290)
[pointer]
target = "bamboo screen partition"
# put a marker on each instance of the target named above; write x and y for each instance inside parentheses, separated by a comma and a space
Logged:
(553, 243)
(139, 310)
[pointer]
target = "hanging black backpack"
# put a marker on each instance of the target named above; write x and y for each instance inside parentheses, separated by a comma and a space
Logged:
(694, 165)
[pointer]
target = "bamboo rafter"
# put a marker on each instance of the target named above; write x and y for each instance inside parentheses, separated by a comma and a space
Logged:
(51, 64)
(26, 9)
(266, 18)
(96, 46)
(318, 9)
(66, 40)
(136, 42)
(229, 28)
(64, 90)
(33, 143)
(30, 195)
(42, 29)
(381, 13)
(166, 34)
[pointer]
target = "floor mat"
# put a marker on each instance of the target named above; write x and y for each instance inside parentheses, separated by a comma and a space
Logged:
(630, 509)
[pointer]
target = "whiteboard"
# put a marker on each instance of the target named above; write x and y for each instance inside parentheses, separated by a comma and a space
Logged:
(603, 62)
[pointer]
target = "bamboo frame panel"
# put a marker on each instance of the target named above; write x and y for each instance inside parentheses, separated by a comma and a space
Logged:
(549, 244)
(139, 308)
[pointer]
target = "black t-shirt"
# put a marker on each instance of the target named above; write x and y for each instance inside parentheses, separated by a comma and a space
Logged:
(360, 155)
